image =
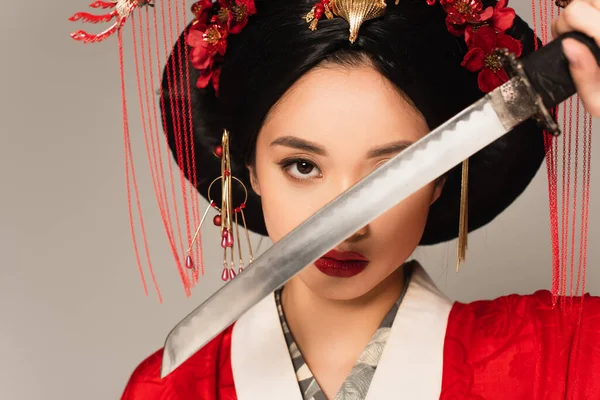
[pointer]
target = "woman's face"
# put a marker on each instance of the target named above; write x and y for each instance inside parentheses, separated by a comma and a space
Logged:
(333, 127)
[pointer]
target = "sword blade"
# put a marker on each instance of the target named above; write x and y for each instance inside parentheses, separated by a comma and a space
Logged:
(421, 163)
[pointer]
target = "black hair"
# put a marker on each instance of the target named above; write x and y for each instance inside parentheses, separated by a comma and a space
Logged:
(410, 45)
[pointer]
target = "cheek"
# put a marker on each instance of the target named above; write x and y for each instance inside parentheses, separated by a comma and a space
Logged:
(285, 204)
(401, 227)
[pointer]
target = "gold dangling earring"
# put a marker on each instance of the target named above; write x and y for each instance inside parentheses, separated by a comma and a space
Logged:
(227, 216)
(463, 224)
(226, 211)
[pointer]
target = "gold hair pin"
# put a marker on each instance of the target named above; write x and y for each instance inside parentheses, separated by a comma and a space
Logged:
(356, 12)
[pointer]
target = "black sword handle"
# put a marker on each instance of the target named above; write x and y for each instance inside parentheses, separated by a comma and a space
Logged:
(548, 69)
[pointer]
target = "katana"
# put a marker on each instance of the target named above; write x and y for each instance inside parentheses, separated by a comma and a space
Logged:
(537, 84)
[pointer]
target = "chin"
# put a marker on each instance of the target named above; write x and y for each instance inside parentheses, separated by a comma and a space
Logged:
(342, 289)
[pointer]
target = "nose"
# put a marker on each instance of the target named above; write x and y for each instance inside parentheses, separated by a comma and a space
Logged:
(346, 183)
(359, 234)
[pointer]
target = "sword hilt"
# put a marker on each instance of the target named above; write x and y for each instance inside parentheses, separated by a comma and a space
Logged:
(548, 69)
(547, 73)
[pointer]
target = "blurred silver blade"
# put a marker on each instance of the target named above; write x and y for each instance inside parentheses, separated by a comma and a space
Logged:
(438, 152)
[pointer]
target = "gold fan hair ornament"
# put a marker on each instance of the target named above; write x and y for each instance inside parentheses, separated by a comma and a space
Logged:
(355, 12)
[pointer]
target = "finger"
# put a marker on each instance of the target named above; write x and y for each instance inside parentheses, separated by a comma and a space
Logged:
(585, 72)
(579, 16)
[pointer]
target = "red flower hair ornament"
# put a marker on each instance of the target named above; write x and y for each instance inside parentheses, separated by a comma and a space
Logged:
(483, 56)
(484, 31)
(483, 28)
(208, 35)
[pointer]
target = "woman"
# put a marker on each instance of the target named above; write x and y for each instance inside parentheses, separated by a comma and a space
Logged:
(312, 109)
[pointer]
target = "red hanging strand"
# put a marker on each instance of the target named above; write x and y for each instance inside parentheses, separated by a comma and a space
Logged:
(551, 147)
(148, 136)
(164, 120)
(566, 182)
(587, 137)
(126, 150)
(192, 151)
(169, 74)
(183, 137)
(177, 93)
(129, 166)
(572, 290)
(157, 148)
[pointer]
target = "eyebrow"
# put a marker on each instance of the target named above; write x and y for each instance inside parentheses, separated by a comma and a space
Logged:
(389, 149)
(300, 144)
(311, 147)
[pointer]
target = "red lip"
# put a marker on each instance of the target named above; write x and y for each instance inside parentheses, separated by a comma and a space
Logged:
(345, 256)
(342, 264)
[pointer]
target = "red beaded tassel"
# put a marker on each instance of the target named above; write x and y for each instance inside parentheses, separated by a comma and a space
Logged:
(316, 13)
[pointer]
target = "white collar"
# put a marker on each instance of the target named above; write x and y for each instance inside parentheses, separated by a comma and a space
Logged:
(412, 360)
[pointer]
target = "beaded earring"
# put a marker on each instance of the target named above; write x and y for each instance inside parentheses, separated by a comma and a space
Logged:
(227, 217)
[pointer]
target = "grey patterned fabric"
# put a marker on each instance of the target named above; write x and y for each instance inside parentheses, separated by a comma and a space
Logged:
(356, 385)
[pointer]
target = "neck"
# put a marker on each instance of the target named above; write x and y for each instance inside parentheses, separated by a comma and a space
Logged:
(331, 334)
(300, 303)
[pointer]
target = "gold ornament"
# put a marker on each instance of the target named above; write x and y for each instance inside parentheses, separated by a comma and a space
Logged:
(463, 225)
(356, 12)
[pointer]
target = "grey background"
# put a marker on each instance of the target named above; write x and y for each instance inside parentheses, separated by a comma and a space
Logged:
(75, 322)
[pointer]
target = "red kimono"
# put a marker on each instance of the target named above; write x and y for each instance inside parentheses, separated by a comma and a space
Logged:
(514, 347)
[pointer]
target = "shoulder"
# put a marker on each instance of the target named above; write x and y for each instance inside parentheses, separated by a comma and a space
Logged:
(487, 314)
(196, 378)
(535, 316)
(523, 343)
(145, 380)
(516, 311)
(477, 331)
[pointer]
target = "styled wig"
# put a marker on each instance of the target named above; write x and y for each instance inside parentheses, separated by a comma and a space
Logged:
(410, 45)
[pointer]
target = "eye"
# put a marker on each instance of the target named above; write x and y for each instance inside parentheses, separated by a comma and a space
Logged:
(301, 169)
(380, 163)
